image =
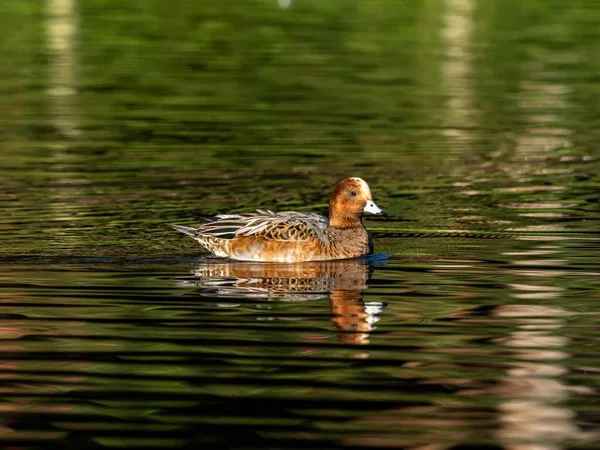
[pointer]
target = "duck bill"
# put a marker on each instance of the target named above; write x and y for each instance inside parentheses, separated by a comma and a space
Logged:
(372, 208)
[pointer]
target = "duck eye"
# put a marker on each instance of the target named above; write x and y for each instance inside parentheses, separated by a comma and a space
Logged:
(353, 193)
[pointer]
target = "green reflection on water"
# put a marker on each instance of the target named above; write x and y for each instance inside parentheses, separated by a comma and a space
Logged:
(177, 108)
(465, 117)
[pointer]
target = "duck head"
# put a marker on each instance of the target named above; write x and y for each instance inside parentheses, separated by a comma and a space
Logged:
(351, 198)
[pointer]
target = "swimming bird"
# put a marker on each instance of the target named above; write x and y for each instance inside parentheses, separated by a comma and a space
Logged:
(269, 236)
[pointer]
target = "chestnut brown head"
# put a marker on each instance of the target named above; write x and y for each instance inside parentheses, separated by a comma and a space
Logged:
(351, 198)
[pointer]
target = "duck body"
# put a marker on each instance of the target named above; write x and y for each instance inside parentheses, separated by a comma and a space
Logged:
(269, 236)
(266, 235)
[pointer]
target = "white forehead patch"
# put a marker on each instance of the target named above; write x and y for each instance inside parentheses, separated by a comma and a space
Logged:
(364, 187)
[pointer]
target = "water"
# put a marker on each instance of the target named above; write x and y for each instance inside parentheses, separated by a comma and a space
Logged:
(475, 324)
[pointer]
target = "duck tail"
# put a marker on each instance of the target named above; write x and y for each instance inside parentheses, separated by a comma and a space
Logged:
(204, 217)
(186, 230)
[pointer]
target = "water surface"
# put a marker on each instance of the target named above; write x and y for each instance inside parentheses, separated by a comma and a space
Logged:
(475, 325)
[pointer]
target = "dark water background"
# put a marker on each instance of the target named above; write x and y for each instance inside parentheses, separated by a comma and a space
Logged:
(476, 125)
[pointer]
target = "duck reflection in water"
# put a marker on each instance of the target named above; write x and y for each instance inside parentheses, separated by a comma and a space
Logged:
(343, 282)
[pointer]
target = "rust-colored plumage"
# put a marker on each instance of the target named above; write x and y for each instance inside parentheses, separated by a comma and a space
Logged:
(265, 235)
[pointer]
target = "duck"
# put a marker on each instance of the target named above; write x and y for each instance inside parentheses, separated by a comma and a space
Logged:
(290, 236)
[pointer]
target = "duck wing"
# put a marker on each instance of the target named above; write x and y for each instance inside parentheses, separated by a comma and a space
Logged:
(279, 226)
